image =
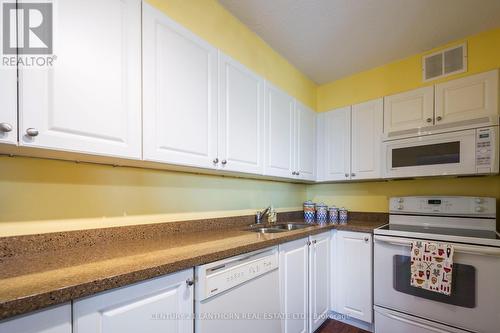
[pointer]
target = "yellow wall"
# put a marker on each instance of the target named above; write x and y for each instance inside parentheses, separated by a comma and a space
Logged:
(374, 196)
(406, 74)
(212, 22)
(38, 189)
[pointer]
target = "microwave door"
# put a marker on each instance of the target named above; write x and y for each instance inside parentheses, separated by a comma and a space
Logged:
(433, 155)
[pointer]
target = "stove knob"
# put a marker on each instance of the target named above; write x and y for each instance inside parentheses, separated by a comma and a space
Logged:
(479, 200)
(401, 200)
(479, 209)
(400, 207)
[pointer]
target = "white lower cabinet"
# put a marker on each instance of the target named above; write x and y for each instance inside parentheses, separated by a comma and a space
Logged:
(305, 283)
(52, 320)
(352, 274)
(163, 304)
(319, 279)
(294, 259)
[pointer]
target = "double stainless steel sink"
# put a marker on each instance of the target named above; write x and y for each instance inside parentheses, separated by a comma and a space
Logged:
(275, 228)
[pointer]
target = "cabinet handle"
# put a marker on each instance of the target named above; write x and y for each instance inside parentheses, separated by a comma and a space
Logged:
(314, 241)
(346, 175)
(297, 173)
(429, 120)
(308, 243)
(294, 173)
(189, 282)
(32, 132)
(439, 118)
(366, 239)
(353, 174)
(224, 162)
(216, 160)
(4, 127)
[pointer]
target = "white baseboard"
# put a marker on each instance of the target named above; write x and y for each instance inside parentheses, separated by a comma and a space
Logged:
(346, 319)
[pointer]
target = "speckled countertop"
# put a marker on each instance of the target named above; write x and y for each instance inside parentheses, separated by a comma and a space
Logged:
(43, 270)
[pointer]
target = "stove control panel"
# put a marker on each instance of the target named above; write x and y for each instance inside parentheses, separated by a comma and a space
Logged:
(447, 206)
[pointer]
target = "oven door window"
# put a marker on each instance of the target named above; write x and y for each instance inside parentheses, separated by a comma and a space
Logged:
(463, 289)
(440, 153)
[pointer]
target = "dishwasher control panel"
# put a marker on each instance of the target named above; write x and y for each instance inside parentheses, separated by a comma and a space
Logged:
(223, 275)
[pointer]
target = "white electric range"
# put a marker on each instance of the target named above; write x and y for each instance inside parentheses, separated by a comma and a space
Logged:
(469, 224)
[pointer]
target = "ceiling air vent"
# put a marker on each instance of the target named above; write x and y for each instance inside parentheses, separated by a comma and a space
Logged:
(445, 62)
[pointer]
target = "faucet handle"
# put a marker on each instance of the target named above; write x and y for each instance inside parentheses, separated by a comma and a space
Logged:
(258, 217)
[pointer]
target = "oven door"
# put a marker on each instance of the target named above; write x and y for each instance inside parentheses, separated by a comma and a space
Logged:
(475, 298)
(431, 155)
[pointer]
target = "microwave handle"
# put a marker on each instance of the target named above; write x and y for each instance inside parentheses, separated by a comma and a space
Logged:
(471, 249)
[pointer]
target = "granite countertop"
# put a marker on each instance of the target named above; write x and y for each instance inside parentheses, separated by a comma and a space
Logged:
(43, 270)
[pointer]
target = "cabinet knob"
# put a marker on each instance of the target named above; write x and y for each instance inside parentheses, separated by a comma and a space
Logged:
(294, 173)
(353, 174)
(429, 120)
(32, 132)
(216, 160)
(189, 282)
(297, 173)
(224, 162)
(308, 243)
(346, 175)
(4, 127)
(366, 239)
(314, 241)
(439, 118)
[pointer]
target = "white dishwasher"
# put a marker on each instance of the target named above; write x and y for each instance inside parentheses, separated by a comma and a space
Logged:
(239, 294)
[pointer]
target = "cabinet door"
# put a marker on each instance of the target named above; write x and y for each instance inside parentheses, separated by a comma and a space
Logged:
(180, 93)
(338, 144)
(320, 147)
(353, 274)
(90, 99)
(143, 307)
(294, 258)
(56, 319)
(241, 118)
(279, 133)
(8, 104)
(319, 279)
(367, 127)
(405, 113)
(305, 157)
(469, 100)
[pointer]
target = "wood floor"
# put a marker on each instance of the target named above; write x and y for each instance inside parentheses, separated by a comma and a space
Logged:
(333, 326)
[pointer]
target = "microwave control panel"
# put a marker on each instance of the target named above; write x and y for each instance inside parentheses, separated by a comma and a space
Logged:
(485, 138)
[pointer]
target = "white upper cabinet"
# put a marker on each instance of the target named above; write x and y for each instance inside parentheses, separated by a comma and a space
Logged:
(56, 319)
(89, 101)
(405, 113)
(8, 105)
(241, 118)
(319, 279)
(305, 152)
(293, 266)
(469, 100)
(279, 133)
(352, 274)
(179, 94)
(337, 144)
(132, 309)
(367, 127)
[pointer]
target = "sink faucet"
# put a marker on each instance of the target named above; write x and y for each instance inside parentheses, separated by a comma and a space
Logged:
(271, 215)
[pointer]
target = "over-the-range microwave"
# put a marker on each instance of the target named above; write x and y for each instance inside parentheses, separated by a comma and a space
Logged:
(461, 152)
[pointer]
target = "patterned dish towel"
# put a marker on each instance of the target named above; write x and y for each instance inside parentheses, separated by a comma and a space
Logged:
(431, 266)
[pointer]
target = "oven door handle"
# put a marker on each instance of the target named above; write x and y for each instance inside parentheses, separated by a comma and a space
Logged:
(471, 249)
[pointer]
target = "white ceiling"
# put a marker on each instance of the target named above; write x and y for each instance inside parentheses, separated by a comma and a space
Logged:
(330, 39)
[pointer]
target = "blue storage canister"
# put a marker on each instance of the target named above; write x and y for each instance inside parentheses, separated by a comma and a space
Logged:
(343, 215)
(309, 211)
(333, 215)
(321, 213)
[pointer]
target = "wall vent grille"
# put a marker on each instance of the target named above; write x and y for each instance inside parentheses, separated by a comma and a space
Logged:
(446, 62)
